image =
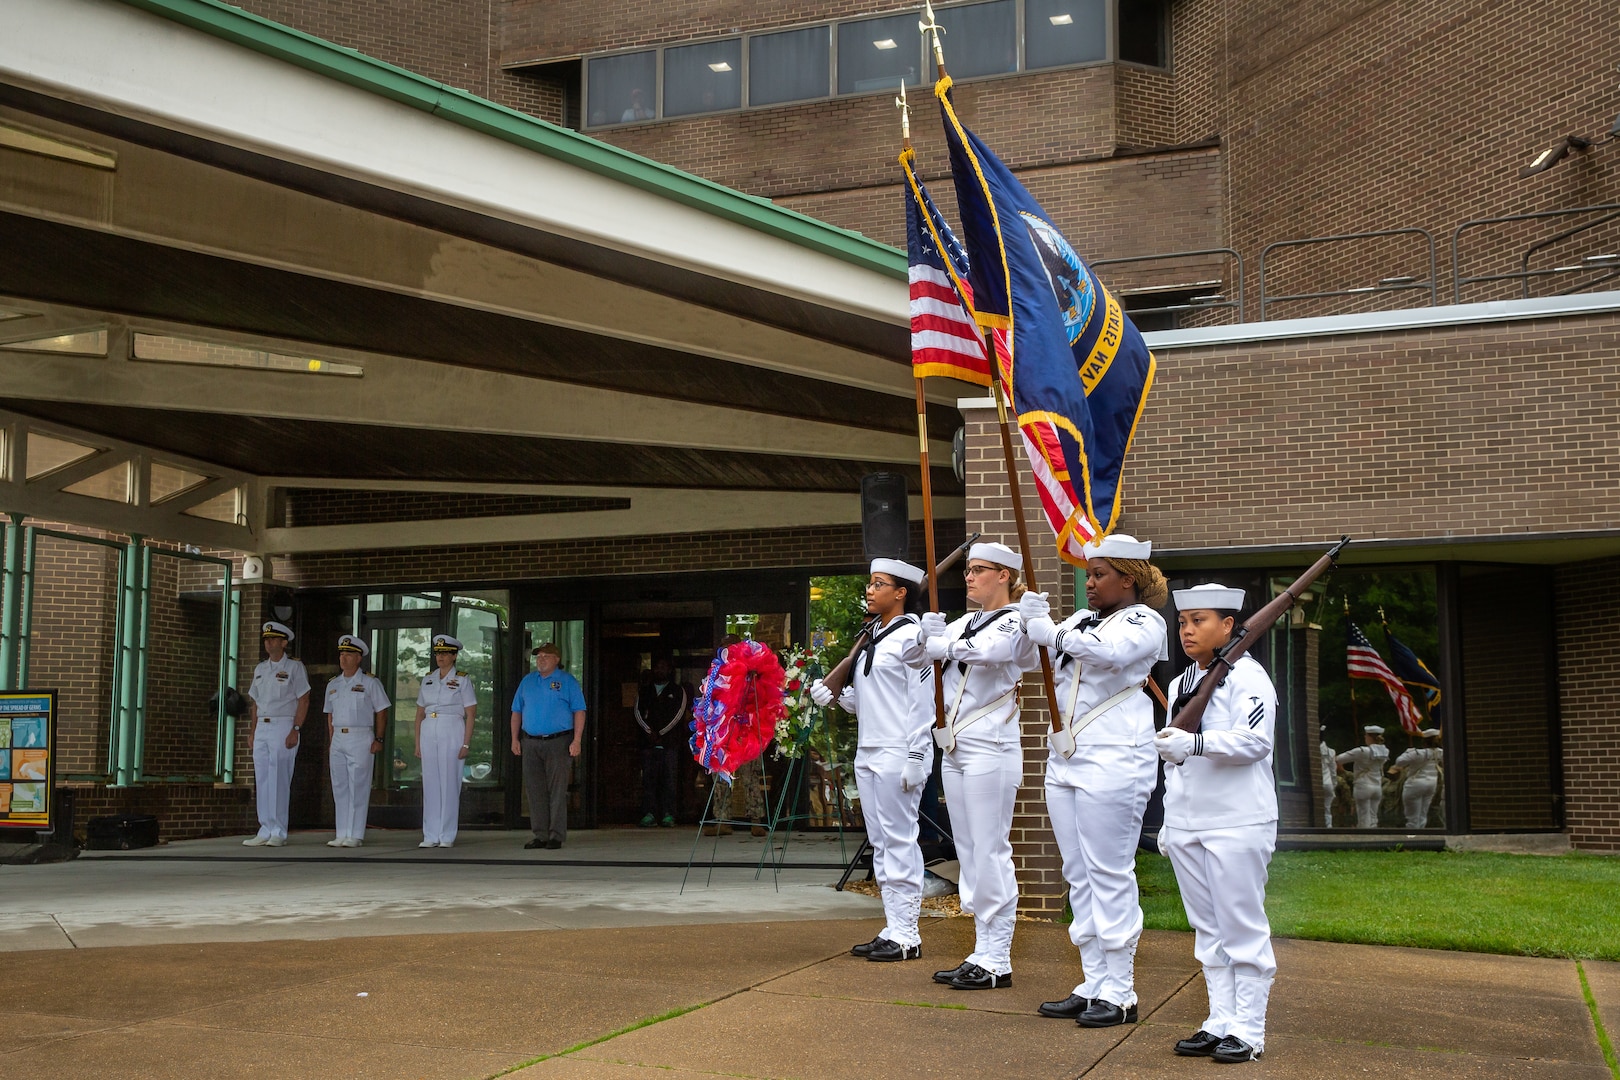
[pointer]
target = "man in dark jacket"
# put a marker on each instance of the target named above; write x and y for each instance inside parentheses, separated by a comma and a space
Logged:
(663, 710)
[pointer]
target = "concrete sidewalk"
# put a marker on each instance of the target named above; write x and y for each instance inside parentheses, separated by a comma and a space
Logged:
(775, 999)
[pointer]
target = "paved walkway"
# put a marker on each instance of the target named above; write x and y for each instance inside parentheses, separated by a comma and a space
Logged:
(770, 999)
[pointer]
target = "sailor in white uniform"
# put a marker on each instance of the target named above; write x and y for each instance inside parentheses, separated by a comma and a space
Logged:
(445, 709)
(356, 709)
(1101, 770)
(985, 654)
(1220, 828)
(279, 701)
(893, 703)
(1420, 767)
(1367, 775)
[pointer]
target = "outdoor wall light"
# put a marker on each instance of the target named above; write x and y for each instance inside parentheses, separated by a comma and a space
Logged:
(1555, 153)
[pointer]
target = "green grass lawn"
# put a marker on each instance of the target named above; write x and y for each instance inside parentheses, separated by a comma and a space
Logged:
(1529, 905)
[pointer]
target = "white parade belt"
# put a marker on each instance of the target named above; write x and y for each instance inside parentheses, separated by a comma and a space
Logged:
(955, 724)
(1064, 740)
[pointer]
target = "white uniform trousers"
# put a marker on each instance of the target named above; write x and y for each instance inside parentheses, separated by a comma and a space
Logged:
(891, 827)
(1329, 790)
(981, 784)
(1222, 876)
(272, 774)
(1096, 800)
(351, 762)
(1369, 793)
(1416, 795)
(441, 777)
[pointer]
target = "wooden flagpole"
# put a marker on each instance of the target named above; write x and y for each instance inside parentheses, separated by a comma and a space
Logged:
(922, 456)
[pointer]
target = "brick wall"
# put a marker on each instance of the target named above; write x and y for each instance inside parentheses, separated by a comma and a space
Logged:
(184, 811)
(1589, 701)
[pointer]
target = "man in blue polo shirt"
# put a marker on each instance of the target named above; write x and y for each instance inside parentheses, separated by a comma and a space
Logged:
(548, 727)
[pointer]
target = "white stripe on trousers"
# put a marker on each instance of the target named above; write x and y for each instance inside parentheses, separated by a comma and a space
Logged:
(981, 782)
(1222, 876)
(272, 773)
(891, 827)
(351, 761)
(1095, 801)
(440, 748)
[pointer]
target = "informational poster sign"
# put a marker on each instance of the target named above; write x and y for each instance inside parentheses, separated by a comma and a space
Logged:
(27, 759)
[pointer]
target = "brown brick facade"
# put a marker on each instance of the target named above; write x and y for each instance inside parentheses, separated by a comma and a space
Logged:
(1589, 701)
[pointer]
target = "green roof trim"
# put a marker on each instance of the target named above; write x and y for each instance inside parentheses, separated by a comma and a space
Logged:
(315, 54)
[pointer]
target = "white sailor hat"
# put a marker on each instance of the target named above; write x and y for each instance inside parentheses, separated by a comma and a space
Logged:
(897, 569)
(275, 629)
(1000, 554)
(1119, 546)
(1430, 733)
(350, 643)
(1210, 597)
(1373, 729)
(445, 643)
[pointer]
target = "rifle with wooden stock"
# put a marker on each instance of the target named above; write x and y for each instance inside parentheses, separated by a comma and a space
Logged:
(836, 679)
(1188, 711)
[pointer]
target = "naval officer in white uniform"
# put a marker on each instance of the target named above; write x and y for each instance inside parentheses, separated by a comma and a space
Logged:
(985, 654)
(1101, 773)
(445, 709)
(356, 710)
(1367, 775)
(1220, 827)
(278, 702)
(893, 704)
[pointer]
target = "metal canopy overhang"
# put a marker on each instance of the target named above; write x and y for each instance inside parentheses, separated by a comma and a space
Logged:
(577, 315)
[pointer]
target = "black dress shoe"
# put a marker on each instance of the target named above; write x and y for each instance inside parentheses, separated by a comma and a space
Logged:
(946, 976)
(1105, 1014)
(533, 845)
(553, 845)
(977, 978)
(887, 952)
(1199, 1044)
(866, 946)
(1232, 1049)
(1067, 1009)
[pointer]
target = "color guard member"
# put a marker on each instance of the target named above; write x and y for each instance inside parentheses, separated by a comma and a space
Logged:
(985, 654)
(356, 710)
(445, 709)
(1420, 768)
(893, 702)
(1100, 776)
(278, 702)
(1220, 828)
(1367, 775)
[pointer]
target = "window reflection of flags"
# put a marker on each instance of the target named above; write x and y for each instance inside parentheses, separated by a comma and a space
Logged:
(945, 340)
(1365, 663)
(1415, 674)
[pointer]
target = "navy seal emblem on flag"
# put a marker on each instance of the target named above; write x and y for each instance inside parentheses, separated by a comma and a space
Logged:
(1066, 274)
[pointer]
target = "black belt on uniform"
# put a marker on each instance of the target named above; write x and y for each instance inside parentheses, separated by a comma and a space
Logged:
(553, 735)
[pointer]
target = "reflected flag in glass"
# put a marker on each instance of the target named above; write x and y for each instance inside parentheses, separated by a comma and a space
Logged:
(1365, 663)
(1076, 367)
(1415, 674)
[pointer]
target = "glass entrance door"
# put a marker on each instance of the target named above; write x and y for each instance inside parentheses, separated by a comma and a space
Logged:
(565, 627)
(401, 657)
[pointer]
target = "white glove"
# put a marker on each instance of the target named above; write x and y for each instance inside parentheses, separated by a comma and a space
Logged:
(1034, 605)
(932, 623)
(938, 647)
(846, 700)
(915, 773)
(821, 694)
(1174, 745)
(1041, 630)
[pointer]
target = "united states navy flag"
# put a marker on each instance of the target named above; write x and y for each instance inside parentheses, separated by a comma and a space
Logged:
(1078, 370)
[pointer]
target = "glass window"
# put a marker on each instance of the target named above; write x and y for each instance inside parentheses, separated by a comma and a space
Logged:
(875, 54)
(703, 78)
(980, 39)
(226, 507)
(47, 454)
(111, 484)
(790, 66)
(87, 343)
(481, 626)
(1144, 31)
(622, 89)
(165, 481)
(1058, 32)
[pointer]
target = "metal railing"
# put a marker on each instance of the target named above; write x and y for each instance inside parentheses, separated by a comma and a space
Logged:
(1402, 283)
(1525, 275)
(1210, 302)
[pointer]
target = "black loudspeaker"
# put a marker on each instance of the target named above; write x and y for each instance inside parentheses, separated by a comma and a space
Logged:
(885, 516)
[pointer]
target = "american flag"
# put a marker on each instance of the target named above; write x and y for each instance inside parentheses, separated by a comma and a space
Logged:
(1365, 663)
(944, 338)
